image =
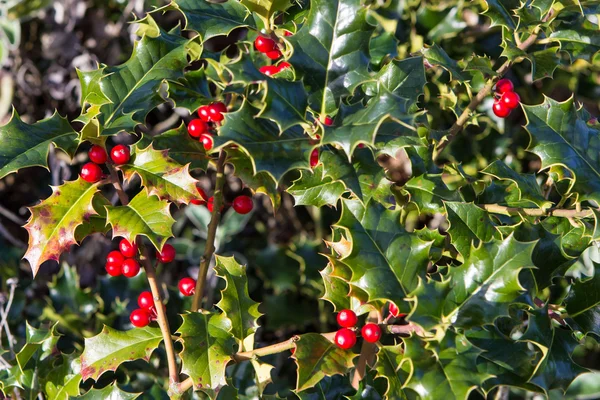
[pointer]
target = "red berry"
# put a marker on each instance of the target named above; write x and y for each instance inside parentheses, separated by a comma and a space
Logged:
(371, 332)
(510, 99)
(130, 268)
(293, 350)
(219, 106)
(98, 154)
(314, 158)
(139, 318)
(120, 154)
(243, 204)
(347, 318)
(207, 141)
(204, 114)
(287, 33)
(273, 54)
(395, 311)
(504, 85)
(127, 249)
(283, 65)
(215, 112)
(91, 172)
(146, 300)
(210, 203)
(345, 338)
(264, 44)
(113, 269)
(501, 110)
(115, 258)
(202, 199)
(167, 254)
(269, 70)
(197, 127)
(187, 286)
(328, 121)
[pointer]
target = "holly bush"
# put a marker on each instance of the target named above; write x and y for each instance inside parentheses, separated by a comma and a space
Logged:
(450, 146)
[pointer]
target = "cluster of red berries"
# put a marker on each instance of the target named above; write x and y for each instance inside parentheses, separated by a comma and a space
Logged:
(122, 261)
(200, 128)
(91, 171)
(241, 204)
(141, 317)
(506, 98)
(345, 338)
(270, 48)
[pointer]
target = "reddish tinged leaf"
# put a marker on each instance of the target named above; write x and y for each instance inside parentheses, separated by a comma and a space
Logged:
(53, 222)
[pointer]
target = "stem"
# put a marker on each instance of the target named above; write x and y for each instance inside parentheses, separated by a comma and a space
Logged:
(536, 212)
(114, 179)
(212, 232)
(162, 320)
(485, 92)
(367, 352)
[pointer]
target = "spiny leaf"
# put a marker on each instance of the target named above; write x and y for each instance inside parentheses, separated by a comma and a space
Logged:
(26, 145)
(63, 381)
(428, 192)
(40, 343)
(435, 55)
(469, 225)
(389, 360)
(500, 12)
(191, 91)
(337, 289)
(266, 8)
(182, 148)
(53, 222)
(110, 348)
(316, 189)
(318, 357)
(161, 176)
(331, 49)
(111, 392)
(235, 301)
(144, 215)
(207, 348)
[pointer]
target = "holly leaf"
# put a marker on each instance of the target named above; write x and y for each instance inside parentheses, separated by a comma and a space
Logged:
(270, 151)
(266, 8)
(317, 357)
(332, 51)
(53, 222)
(337, 289)
(63, 381)
(110, 392)
(389, 360)
(39, 345)
(110, 348)
(435, 55)
(314, 188)
(584, 295)
(469, 224)
(161, 175)
(501, 12)
(580, 39)
(428, 192)
(144, 215)
(191, 91)
(561, 137)
(181, 147)
(207, 348)
(25, 145)
(235, 301)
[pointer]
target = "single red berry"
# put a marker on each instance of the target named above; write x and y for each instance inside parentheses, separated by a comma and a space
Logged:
(207, 141)
(395, 311)
(98, 154)
(210, 203)
(273, 54)
(283, 65)
(314, 158)
(504, 85)
(167, 254)
(345, 338)
(146, 300)
(287, 33)
(269, 70)
(202, 199)
(91, 172)
(215, 111)
(219, 106)
(115, 258)
(204, 114)
(371, 332)
(113, 269)
(187, 286)
(197, 127)
(500, 109)
(510, 99)
(328, 121)
(120, 154)
(293, 350)
(128, 249)
(243, 204)
(130, 268)
(347, 318)
(264, 44)
(139, 318)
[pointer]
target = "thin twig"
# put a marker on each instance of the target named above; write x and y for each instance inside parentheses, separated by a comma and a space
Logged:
(209, 249)
(12, 216)
(537, 212)
(114, 179)
(367, 353)
(9, 236)
(11, 295)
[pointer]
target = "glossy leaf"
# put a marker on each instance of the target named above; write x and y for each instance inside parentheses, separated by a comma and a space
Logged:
(181, 147)
(111, 392)
(316, 189)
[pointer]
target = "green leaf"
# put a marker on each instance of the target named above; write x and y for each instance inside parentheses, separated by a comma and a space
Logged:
(317, 358)
(389, 360)
(182, 148)
(270, 151)
(207, 348)
(53, 222)
(469, 225)
(111, 392)
(337, 289)
(428, 192)
(39, 345)
(500, 12)
(266, 8)
(144, 215)
(580, 40)
(584, 294)
(559, 136)
(332, 51)
(314, 188)
(126, 93)
(161, 176)
(110, 348)
(435, 55)
(235, 301)
(212, 19)
(191, 91)
(63, 381)
(26, 145)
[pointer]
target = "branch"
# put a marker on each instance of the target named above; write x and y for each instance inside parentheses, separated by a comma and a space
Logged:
(536, 212)
(485, 92)
(114, 179)
(367, 352)
(162, 320)
(209, 249)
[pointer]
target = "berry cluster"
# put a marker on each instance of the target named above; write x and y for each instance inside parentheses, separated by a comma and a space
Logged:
(141, 317)
(91, 171)
(345, 338)
(200, 128)
(506, 98)
(241, 204)
(270, 48)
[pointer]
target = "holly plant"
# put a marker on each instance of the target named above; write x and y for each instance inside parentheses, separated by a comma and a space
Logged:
(462, 261)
